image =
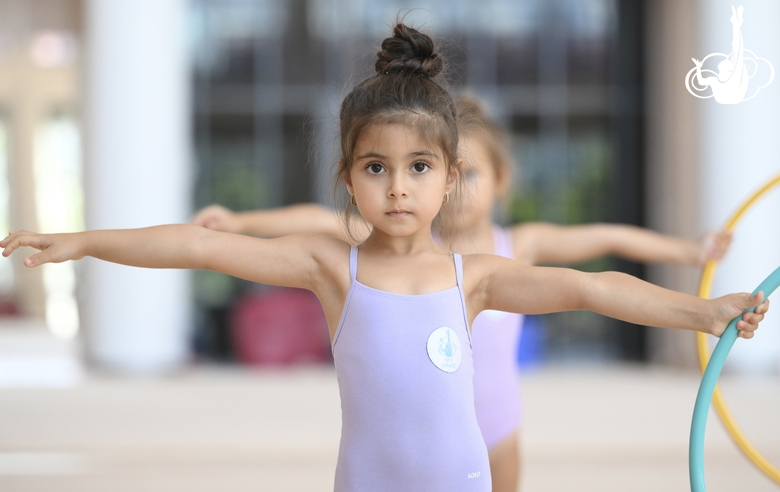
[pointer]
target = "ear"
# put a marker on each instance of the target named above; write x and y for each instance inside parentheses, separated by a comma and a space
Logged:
(347, 179)
(503, 181)
(452, 177)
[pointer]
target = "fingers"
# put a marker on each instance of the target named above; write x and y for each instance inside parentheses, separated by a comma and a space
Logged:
(209, 215)
(755, 299)
(739, 305)
(8, 243)
(199, 219)
(715, 245)
(763, 307)
(750, 320)
(203, 215)
(35, 260)
(721, 245)
(212, 217)
(18, 239)
(6, 239)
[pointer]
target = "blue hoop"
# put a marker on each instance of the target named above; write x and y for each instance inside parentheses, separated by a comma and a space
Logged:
(708, 382)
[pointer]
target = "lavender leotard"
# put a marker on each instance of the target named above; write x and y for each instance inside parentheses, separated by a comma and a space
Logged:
(495, 337)
(404, 368)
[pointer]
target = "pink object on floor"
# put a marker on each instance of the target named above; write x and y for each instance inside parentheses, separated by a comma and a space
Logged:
(280, 326)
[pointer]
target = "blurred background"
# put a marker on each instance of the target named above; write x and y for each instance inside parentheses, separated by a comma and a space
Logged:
(128, 114)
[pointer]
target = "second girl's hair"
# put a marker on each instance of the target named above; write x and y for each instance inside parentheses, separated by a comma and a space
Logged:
(473, 121)
(402, 90)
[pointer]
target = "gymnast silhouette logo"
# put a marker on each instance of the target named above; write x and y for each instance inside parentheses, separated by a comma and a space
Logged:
(735, 71)
(444, 349)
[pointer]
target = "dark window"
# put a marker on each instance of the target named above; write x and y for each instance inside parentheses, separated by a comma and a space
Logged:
(563, 77)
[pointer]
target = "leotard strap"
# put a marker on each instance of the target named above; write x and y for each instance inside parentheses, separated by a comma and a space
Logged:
(353, 254)
(458, 269)
(459, 276)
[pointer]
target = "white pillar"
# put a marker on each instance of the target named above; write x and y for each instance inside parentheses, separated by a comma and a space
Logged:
(740, 150)
(137, 174)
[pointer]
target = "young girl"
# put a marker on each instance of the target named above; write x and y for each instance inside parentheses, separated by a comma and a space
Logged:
(486, 177)
(399, 306)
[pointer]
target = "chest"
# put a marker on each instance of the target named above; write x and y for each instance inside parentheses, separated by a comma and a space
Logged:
(384, 334)
(408, 277)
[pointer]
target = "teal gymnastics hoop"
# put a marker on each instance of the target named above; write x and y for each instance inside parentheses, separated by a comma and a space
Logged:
(708, 382)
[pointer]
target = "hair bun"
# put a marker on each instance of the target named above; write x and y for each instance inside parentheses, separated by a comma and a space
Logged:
(408, 51)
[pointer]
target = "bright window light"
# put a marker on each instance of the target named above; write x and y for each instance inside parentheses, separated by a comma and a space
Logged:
(6, 267)
(59, 202)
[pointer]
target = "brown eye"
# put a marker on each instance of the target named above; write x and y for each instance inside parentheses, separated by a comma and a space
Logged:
(375, 168)
(420, 167)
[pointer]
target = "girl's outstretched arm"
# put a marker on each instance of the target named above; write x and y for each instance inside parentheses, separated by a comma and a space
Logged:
(542, 243)
(292, 261)
(305, 218)
(498, 283)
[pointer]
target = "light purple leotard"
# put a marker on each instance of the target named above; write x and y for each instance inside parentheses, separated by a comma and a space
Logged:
(404, 368)
(495, 336)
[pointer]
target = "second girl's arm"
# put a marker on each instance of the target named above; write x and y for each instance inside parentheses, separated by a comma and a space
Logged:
(541, 243)
(304, 218)
(506, 285)
(289, 261)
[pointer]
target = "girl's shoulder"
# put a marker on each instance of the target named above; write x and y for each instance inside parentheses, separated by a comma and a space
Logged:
(483, 260)
(326, 248)
(331, 260)
(478, 267)
(482, 271)
(323, 249)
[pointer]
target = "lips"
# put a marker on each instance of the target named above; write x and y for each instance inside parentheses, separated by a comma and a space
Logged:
(398, 213)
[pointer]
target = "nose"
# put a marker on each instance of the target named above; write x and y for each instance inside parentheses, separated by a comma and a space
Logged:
(398, 188)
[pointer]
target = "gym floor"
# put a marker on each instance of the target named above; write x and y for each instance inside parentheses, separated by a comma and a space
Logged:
(593, 428)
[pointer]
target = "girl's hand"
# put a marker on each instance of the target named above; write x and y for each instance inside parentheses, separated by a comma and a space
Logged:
(713, 246)
(218, 218)
(55, 248)
(728, 307)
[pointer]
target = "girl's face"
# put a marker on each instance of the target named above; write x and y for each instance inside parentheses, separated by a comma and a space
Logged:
(481, 185)
(398, 179)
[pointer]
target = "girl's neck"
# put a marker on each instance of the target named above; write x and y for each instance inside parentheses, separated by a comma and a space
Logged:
(418, 242)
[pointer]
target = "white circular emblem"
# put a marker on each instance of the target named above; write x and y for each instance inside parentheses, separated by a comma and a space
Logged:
(444, 349)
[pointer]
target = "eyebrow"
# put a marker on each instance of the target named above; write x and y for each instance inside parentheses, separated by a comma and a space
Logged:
(416, 153)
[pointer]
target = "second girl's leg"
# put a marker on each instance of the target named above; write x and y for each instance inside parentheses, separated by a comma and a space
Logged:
(505, 463)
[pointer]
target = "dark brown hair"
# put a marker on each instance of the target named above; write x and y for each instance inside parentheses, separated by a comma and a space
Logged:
(404, 90)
